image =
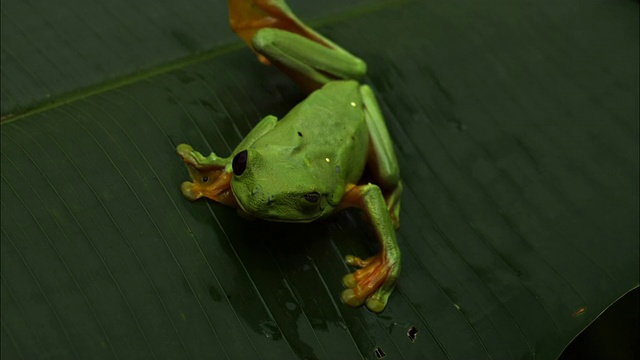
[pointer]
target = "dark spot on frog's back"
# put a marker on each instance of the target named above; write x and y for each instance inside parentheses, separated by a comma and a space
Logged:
(299, 134)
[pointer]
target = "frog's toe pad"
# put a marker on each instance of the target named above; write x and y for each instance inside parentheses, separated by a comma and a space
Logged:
(374, 302)
(349, 281)
(350, 298)
(188, 155)
(356, 261)
(189, 191)
(371, 285)
(184, 150)
(376, 305)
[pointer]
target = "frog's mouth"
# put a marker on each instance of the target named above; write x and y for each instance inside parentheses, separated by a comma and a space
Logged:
(265, 215)
(299, 220)
(272, 211)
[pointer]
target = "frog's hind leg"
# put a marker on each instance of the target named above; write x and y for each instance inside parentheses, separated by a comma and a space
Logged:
(273, 31)
(310, 63)
(374, 281)
(382, 160)
(247, 17)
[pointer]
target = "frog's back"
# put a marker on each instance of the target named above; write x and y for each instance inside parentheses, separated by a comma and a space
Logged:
(327, 127)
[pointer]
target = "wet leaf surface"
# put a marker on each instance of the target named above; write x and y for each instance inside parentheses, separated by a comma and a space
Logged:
(516, 128)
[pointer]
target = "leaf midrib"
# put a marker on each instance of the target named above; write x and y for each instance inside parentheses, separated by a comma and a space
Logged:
(44, 105)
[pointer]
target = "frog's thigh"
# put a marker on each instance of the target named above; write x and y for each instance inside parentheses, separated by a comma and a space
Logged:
(307, 57)
(382, 158)
(264, 126)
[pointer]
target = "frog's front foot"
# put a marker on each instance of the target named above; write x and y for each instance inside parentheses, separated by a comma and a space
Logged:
(372, 284)
(193, 158)
(208, 175)
(213, 184)
(185, 151)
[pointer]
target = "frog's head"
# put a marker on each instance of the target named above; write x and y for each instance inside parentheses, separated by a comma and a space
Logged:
(277, 188)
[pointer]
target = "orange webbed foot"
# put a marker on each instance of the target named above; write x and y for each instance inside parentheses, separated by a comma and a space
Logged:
(212, 184)
(207, 180)
(371, 285)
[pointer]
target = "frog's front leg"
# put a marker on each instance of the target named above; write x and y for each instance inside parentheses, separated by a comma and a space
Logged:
(211, 175)
(208, 176)
(374, 282)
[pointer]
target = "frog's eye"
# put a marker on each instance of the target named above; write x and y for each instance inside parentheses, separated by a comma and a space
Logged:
(313, 197)
(239, 163)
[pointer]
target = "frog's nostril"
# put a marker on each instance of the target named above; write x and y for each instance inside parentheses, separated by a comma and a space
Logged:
(239, 163)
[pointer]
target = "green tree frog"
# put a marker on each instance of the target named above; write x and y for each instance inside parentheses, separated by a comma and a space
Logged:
(310, 164)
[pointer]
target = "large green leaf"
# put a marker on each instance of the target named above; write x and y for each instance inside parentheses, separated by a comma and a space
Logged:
(516, 127)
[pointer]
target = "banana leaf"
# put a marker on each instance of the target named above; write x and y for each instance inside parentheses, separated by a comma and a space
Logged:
(516, 129)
